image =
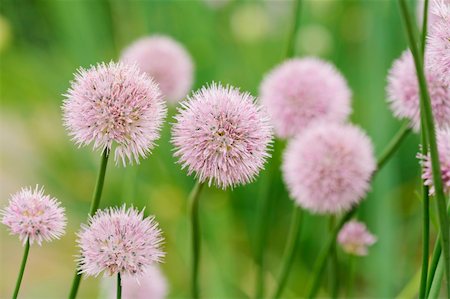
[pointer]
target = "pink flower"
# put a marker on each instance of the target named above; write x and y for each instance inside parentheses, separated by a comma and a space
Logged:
(119, 240)
(439, 41)
(328, 167)
(34, 216)
(443, 139)
(222, 136)
(151, 285)
(355, 238)
(404, 96)
(114, 104)
(166, 61)
(432, 17)
(299, 92)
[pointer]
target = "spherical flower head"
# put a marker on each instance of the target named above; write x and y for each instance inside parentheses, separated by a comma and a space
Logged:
(404, 94)
(432, 16)
(355, 238)
(300, 92)
(222, 136)
(151, 285)
(34, 216)
(166, 61)
(443, 143)
(328, 167)
(119, 240)
(439, 41)
(115, 104)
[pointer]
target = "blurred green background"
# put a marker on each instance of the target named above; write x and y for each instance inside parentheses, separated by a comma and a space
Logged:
(236, 42)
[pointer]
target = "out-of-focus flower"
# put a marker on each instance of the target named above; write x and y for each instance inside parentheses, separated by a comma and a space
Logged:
(314, 39)
(439, 42)
(116, 104)
(443, 139)
(151, 285)
(404, 95)
(432, 17)
(119, 240)
(355, 238)
(300, 92)
(328, 167)
(222, 136)
(250, 22)
(34, 216)
(166, 61)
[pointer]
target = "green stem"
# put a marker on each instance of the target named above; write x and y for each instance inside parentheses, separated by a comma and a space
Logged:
(294, 30)
(290, 251)
(433, 266)
(319, 266)
(334, 269)
(22, 269)
(94, 206)
(431, 136)
(351, 275)
(119, 286)
(425, 243)
(393, 145)
(424, 27)
(435, 287)
(193, 201)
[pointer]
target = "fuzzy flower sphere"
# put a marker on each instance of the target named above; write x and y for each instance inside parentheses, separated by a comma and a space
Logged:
(404, 95)
(299, 92)
(443, 139)
(151, 285)
(166, 61)
(328, 167)
(222, 136)
(355, 238)
(439, 41)
(34, 216)
(119, 240)
(114, 104)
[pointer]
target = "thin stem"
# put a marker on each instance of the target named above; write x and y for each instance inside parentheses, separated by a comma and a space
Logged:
(424, 27)
(433, 266)
(431, 136)
(334, 264)
(119, 286)
(94, 206)
(351, 275)
(22, 269)
(393, 145)
(319, 266)
(425, 242)
(435, 287)
(294, 30)
(291, 250)
(193, 201)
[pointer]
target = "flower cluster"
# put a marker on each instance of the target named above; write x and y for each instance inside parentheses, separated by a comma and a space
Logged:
(114, 104)
(166, 61)
(328, 168)
(119, 240)
(355, 238)
(222, 136)
(443, 142)
(300, 92)
(34, 216)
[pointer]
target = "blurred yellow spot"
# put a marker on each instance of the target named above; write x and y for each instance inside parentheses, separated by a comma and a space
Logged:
(250, 23)
(5, 33)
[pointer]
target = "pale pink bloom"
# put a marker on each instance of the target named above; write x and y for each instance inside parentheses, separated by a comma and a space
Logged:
(328, 167)
(443, 139)
(222, 136)
(166, 61)
(300, 92)
(355, 238)
(151, 285)
(34, 216)
(119, 240)
(114, 104)
(404, 95)
(439, 42)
